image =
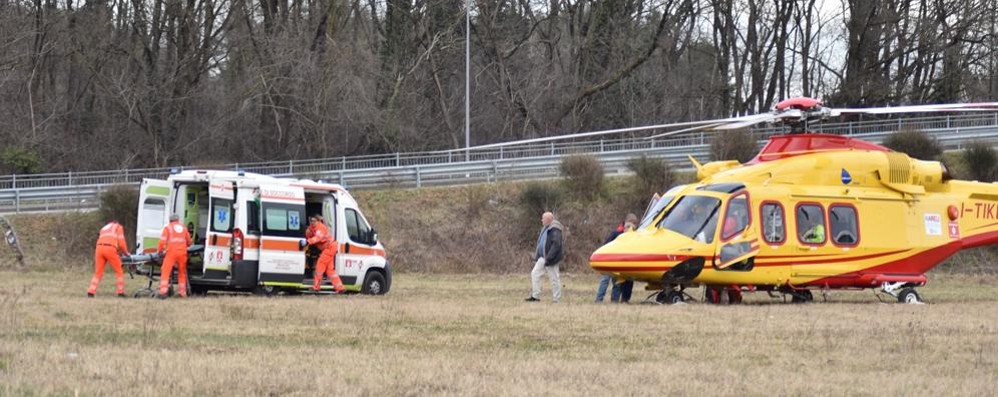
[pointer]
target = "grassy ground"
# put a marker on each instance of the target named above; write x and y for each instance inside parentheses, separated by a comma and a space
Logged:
(474, 335)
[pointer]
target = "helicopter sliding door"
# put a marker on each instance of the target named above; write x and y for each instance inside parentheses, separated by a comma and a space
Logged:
(739, 242)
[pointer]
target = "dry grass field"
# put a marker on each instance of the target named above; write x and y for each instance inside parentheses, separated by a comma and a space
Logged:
(474, 335)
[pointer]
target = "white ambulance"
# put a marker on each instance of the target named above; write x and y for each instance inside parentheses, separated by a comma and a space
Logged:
(251, 227)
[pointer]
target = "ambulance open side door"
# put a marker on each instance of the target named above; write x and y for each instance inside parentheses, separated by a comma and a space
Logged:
(282, 215)
(218, 240)
(154, 195)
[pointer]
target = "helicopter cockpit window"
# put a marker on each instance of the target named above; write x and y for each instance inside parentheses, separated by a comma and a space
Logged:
(844, 226)
(694, 217)
(811, 224)
(656, 207)
(737, 217)
(773, 226)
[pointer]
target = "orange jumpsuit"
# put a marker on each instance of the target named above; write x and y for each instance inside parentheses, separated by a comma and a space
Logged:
(323, 240)
(175, 239)
(110, 243)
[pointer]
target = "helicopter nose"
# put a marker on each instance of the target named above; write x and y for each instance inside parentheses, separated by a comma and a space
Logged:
(654, 253)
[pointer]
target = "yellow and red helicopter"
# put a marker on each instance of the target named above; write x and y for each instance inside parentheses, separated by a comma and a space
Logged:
(810, 212)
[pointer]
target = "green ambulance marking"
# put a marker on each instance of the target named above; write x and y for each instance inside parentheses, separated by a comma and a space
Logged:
(158, 190)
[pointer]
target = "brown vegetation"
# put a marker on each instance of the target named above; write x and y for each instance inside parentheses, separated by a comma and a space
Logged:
(915, 143)
(474, 335)
(107, 85)
(981, 161)
(734, 145)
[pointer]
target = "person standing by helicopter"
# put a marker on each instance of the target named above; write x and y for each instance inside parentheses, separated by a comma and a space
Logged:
(547, 255)
(619, 292)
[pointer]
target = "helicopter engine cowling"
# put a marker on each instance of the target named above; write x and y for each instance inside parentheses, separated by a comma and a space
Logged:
(903, 170)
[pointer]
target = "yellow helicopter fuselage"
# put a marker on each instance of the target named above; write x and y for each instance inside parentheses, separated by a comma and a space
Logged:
(810, 211)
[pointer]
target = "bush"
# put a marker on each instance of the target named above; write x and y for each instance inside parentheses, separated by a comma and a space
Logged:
(914, 143)
(981, 161)
(651, 175)
(121, 203)
(583, 176)
(733, 145)
(21, 161)
(539, 197)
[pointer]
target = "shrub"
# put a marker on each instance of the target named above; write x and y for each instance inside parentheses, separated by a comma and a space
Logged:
(583, 176)
(733, 145)
(21, 161)
(539, 197)
(981, 161)
(914, 143)
(651, 175)
(121, 203)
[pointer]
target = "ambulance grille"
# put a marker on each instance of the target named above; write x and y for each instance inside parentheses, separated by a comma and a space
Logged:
(900, 168)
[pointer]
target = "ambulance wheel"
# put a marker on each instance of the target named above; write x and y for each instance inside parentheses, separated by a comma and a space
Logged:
(669, 297)
(374, 284)
(266, 290)
(909, 296)
(802, 296)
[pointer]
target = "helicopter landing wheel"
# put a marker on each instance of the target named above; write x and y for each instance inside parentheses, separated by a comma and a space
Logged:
(672, 297)
(909, 296)
(801, 296)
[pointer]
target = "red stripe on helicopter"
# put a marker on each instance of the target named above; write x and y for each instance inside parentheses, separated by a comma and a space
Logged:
(761, 262)
(613, 269)
(637, 258)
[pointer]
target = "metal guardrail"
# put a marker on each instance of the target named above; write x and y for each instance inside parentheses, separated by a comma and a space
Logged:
(81, 191)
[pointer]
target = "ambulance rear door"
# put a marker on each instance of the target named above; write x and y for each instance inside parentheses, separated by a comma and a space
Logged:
(154, 195)
(218, 240)
(282, 258)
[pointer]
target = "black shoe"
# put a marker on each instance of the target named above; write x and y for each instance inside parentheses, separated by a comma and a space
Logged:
(532, 299)
(161, 296)
(122, 296)
(89, 295)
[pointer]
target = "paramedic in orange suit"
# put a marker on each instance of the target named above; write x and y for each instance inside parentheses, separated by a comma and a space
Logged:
(110, 245)
(323, 240)
(175, 240)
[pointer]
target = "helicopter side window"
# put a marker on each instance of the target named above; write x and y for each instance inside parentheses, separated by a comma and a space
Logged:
(844, 224)
(773, 226)
(737, 217)
(694, 217)
(811, 224)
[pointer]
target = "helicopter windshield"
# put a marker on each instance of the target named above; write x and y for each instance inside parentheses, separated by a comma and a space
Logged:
(655, 207)
(694, 217)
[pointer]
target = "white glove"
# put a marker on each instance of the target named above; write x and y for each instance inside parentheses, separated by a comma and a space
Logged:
(541, 261)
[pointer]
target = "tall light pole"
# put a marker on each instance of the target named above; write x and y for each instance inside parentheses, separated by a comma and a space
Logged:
(467, 80)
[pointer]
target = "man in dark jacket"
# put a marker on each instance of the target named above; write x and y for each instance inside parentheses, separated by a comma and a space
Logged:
(621, 292)
(547, 255)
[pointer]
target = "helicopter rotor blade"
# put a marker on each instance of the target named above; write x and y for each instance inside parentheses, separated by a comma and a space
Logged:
(953, 107)
(748, 121)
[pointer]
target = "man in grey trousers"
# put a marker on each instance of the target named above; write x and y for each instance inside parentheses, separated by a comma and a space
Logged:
(548, 254)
